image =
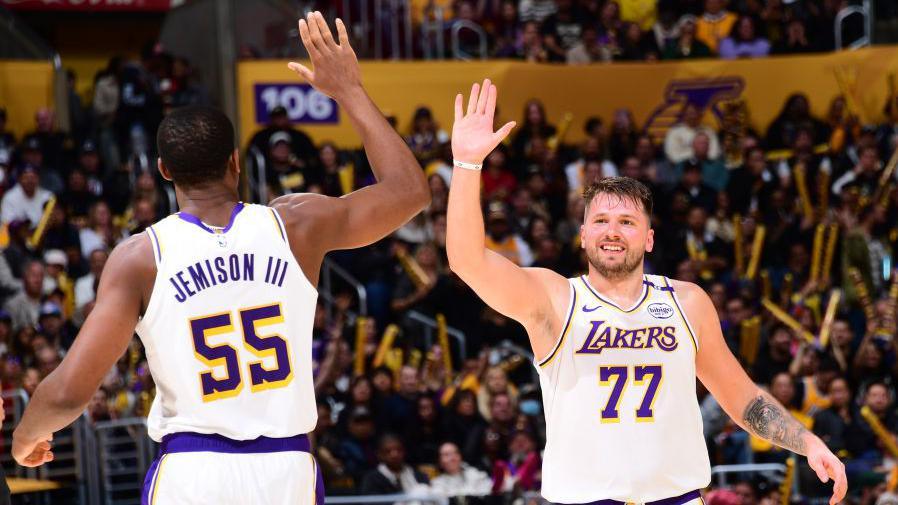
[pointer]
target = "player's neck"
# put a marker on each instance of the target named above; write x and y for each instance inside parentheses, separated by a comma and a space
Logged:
(623, 291)
(211, 204)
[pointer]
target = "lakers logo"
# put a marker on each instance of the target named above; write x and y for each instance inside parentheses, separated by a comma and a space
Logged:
(705, 94)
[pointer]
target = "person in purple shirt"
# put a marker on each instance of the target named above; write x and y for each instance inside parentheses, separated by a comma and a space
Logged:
(744, 41)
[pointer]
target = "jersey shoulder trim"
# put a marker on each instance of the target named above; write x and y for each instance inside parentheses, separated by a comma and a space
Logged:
(567, 327)
(681, 312)
(278, 223)
(157, 244)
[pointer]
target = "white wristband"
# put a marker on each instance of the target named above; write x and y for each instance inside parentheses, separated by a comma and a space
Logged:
(467, 166)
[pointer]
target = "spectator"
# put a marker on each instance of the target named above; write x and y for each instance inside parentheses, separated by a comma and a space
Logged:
(25, 307)
(301, 145)
(86, 286)
(495, 383)
(286, 173)
(502, 239)
(100, 232)
(7, 146)
(26, 200)
(743, 41)
(586, 50)
(795, 41)
(32, 154)
(775, 359)
(686, 46)
(562, 30)
(795, 115)
(714, 24)
(457, 477)
(51, 142)
(531, 48)
(679, 141)
(393, 475)
(831, 424)
(861, 441)
(426, 139)
(536, 10)
(636, 46)
(357, 450)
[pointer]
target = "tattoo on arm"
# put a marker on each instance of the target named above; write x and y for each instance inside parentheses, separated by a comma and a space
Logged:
(770, 421)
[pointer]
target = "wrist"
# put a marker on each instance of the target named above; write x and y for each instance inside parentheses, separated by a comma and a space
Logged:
(352, 94)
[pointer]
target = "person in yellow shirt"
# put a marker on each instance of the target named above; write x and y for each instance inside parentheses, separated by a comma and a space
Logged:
(641, 12)
(715, 24)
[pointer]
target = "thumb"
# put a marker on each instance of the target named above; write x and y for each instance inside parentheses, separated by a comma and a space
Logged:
(301, 70)
(504, 131)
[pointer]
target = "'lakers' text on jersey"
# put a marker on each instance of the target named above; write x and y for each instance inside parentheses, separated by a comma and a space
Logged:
(228, 329)
(622, 417)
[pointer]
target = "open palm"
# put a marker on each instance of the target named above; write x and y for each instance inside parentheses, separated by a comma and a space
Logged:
(472, 133)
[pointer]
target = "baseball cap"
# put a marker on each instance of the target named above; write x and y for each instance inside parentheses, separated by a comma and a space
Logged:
(31, 143)
(422, 112)
(280, 110)
(360, 414)
(56, 257)
(496, 210)
(50, 309)
(88, 146)
(26, 167)
(279, 137)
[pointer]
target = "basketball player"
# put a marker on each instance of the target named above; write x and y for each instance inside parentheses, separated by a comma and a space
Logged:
(617, 351)
(223, 297)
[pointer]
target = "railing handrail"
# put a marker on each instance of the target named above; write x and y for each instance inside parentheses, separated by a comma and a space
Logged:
(430, 322)
(850, 10)
(457, 27)
(387, 498)
(328, 266)
(261, 169)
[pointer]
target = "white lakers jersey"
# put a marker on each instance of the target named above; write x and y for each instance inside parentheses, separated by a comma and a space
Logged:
(228, 329)
(622, 417)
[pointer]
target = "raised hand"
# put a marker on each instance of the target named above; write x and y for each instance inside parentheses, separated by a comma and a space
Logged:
(335, 66)
(472, 133)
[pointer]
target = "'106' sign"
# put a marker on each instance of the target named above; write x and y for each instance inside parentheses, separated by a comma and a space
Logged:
(303, 103)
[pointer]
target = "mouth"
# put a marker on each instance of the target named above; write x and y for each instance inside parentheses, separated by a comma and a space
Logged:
(612, 248)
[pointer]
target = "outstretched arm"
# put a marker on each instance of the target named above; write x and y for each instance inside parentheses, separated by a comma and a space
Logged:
(523, 294)
(748, 405)
(64, 394)
(371, 213)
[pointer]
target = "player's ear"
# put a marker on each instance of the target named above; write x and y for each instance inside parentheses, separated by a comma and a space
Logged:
(163, 170)
(650, 240)
(234, 161)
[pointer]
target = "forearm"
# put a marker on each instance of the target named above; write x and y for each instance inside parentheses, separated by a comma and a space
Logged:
(465, 233)
(49, 410)
(390, 158)
(766, 418)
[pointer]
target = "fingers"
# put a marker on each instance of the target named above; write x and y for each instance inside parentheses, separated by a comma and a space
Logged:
(342, 34)
(816, 464)
(315, 33)
(301, 70)
(504, 131)
(491, 100)
(472, 100)
(481, 100)
(325, 31)
(840, 488)
(306, 37)
(459, 113)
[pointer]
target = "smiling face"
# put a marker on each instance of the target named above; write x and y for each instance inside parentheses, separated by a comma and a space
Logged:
(616, 234)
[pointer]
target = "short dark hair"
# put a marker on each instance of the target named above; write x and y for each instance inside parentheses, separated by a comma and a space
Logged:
(624, 187)
(195, 143)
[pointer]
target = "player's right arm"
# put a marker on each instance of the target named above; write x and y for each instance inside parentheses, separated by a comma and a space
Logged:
(523, 294)
(364, 216)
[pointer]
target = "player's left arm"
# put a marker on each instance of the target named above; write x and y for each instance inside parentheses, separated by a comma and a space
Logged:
(104, 337)
(748, 405)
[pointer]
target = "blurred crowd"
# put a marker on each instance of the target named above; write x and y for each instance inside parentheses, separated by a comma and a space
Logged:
(790, 227)
(585, 31)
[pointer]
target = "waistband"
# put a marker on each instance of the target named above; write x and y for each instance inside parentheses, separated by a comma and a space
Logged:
(202, 442)
(676, 500)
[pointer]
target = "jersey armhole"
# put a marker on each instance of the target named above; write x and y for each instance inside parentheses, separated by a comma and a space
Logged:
(279, 223)
(157, 245)
(564, 331)
(681, 312)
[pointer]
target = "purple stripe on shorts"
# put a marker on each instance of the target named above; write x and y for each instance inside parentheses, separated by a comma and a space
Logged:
(200, 442)
(676, 500)
(148, 482)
